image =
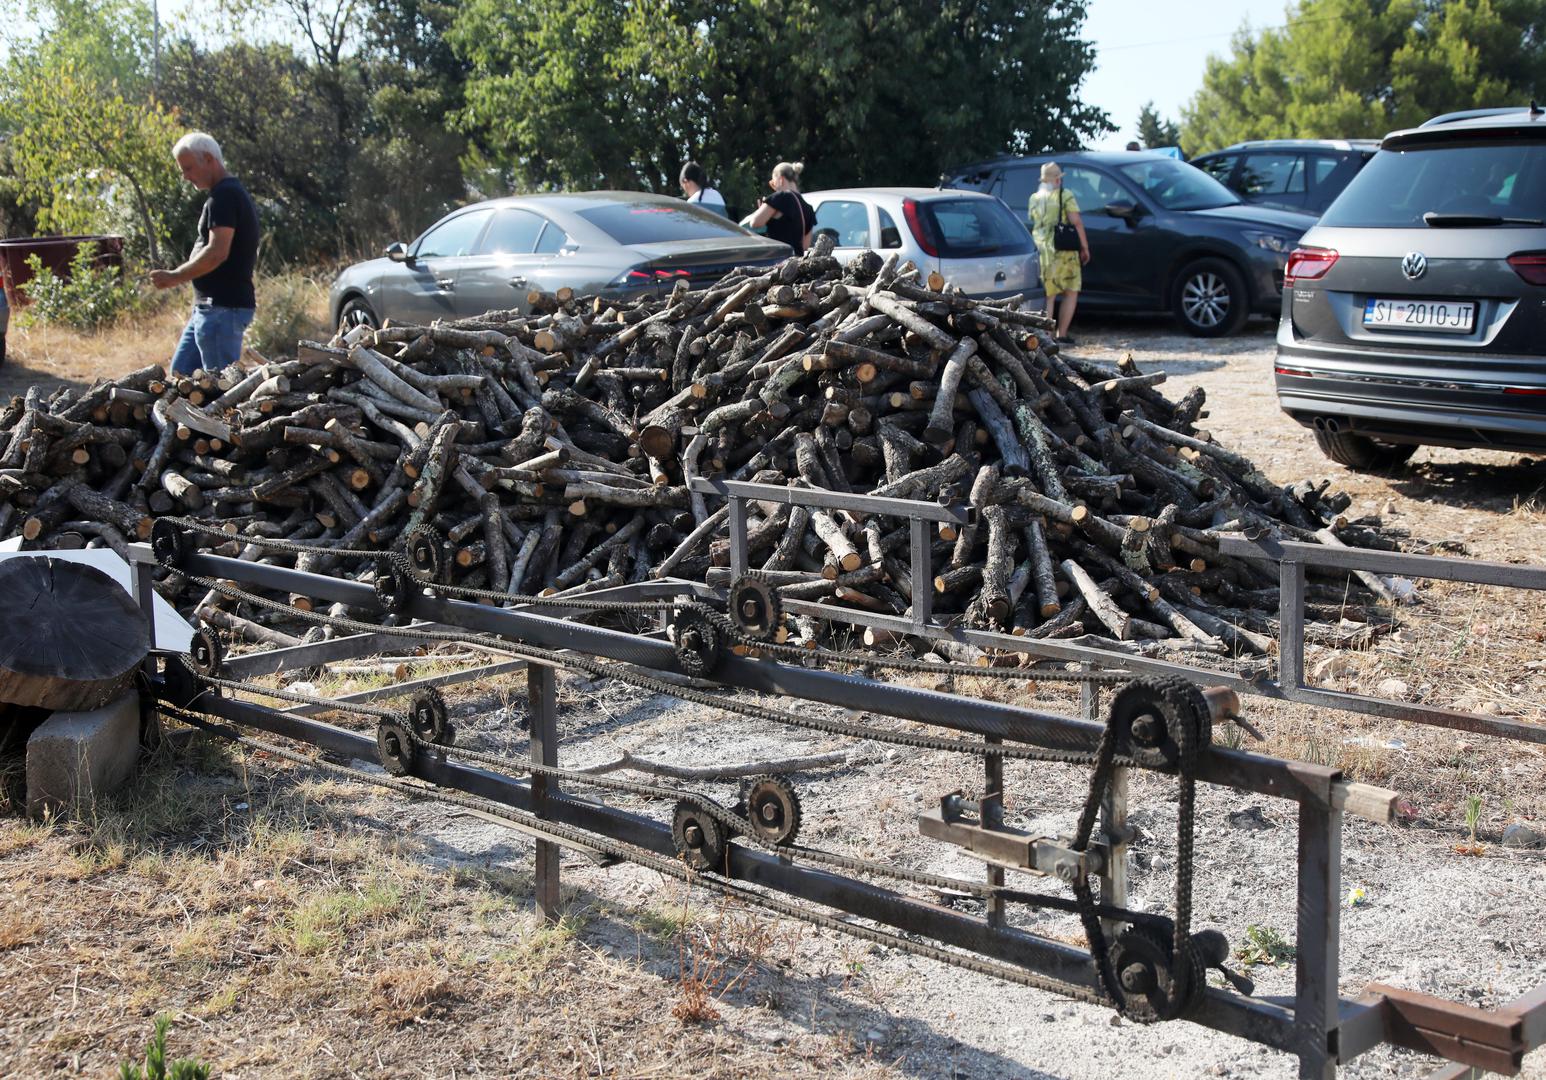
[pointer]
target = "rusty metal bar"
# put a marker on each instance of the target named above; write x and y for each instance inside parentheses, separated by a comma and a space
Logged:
(1260, 1021)
(542, 713)
(408, 686)
(1435, 567)
(921, 552)
(1291, 627)
(1317, 938)
(736, 490)
(738, 553)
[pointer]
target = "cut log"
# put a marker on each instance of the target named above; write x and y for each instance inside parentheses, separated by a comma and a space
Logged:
(81, 641)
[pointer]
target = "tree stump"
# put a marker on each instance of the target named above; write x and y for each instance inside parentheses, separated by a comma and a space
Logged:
(73, 637)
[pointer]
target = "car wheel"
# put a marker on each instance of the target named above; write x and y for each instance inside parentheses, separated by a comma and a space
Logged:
(1361, 453)
(1210, 299)
(356, 312)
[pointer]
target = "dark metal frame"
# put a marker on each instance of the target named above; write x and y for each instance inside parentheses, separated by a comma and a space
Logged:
(1311, 1026)
(1292, 558)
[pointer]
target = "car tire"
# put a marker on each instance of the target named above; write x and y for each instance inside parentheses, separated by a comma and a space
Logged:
(1361, 453)
(356, 312)
(1209, 298)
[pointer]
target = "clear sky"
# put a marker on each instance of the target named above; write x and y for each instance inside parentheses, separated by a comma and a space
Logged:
(1156, 50)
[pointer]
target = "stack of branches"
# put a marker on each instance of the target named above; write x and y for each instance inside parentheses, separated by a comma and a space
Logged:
(552, 448)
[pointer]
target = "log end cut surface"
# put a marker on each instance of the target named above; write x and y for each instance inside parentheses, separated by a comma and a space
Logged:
(70, 636)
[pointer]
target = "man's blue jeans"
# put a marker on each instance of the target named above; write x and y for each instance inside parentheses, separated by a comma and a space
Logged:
(211, 340)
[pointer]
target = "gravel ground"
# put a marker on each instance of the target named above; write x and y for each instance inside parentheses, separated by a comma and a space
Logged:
(1432, 919)
(1458, 925)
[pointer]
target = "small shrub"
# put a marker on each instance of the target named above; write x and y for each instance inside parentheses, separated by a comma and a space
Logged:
(157, 1067)
(1264, 945)
(93, 296)
(291, 306)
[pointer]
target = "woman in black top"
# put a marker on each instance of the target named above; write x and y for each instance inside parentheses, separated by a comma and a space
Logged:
(786, 214)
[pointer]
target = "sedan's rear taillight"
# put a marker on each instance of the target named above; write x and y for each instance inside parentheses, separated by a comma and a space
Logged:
(1308, 264)
(1530, 265)
(914, 215)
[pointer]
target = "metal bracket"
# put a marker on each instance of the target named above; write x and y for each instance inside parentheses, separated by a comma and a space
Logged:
(1000, 845)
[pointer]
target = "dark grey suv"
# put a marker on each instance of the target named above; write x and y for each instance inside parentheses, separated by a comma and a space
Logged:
(1164, 236)
(1296, 174)
(1415, 312)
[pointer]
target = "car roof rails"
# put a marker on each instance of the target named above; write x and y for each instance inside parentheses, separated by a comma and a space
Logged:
(1474, 114)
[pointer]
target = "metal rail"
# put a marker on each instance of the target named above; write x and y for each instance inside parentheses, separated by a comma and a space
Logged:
(1316, 1026)
(1292, 557)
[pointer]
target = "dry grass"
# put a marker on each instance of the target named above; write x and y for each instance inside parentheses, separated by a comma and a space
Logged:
(50, 356)
(291, 935)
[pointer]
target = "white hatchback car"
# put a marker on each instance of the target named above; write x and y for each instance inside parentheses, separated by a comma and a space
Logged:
(973, 240)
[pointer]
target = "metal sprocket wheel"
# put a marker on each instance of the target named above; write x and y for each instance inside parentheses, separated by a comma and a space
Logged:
(699, 839)
(394, 747)
(393, 589)
(755, 608)
(430, 718)
(426, 552)
(1152, 987)
(773, 809)
(699, 644)
(1150, 715)
(169, 543)
(205, 651)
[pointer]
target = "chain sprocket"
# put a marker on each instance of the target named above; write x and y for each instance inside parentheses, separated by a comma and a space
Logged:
(772, 808)
(756, 612)
(426, 552)
(699, 640)
(1154, 717)
(1158, 983)
(430, 718)
(206, 653)
(395, 747)
(700, 840)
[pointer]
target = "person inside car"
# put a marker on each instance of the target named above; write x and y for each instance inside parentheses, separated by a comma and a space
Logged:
(1061, 273)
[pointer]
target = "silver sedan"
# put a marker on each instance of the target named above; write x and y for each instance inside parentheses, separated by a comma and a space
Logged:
(971, 239)
(488, 256)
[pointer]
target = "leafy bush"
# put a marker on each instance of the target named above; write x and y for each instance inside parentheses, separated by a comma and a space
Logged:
(291, 306)
(157, 1067)
(92, 297)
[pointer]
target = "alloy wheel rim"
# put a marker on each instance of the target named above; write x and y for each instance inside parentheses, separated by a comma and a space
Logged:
(1205, 299)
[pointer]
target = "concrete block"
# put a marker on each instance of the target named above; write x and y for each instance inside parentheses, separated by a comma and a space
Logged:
(75, 757)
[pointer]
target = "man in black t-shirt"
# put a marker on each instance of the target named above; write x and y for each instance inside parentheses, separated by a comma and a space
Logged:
(221, 263)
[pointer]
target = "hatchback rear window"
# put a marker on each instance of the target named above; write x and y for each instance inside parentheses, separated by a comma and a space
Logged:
(967, 228)
(656, 223)
(1484, 182)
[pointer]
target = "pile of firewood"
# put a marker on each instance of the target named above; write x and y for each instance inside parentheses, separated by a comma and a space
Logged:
(551, 450)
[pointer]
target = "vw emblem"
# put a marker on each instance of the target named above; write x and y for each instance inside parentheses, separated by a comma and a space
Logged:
(1414, 265)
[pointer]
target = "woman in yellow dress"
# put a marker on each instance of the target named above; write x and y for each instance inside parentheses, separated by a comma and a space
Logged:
(1060, 270)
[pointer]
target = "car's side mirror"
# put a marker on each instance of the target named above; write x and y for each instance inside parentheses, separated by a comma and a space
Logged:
(827, 232)
(398, 252)
(1128, 211)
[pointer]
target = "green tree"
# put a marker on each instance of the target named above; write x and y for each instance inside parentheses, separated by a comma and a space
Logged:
(1154, 130)
(81, 147)
(618, 93)
(88, 145)
(276, 128)
(1361, 68)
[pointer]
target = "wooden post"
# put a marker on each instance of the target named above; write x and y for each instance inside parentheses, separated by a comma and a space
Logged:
(542, 708)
